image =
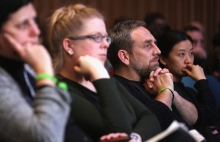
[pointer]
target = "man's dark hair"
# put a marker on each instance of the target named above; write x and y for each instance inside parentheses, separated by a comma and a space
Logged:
(121, 39)
(8, 7)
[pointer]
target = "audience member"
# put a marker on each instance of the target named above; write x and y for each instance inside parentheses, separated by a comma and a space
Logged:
(156, 24)
(79, 43)
(198, 25)
(134, 56)
(177, 56)
(197, 36)
(31, 109)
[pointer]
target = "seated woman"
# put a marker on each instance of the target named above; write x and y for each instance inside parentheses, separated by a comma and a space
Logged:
(78, 43)
(177, 56)
(31, 109)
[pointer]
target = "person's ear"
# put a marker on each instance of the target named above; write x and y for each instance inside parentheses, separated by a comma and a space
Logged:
(123, 56)
(163, 60)
(67, 46)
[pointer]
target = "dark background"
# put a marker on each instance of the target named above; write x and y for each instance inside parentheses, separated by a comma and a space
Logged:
(178, 13)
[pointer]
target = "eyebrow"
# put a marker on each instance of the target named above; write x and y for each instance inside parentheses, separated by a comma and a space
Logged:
(149, 41)
(184, 49)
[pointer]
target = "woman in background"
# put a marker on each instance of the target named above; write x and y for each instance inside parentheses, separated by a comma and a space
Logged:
(31, 109)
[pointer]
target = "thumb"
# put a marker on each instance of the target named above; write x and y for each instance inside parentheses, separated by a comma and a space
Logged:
(77, 69)
(148, 84)
(186, 71)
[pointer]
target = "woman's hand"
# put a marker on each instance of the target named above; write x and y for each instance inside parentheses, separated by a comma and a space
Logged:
(34, 55)
(195, 72)
(91, 67)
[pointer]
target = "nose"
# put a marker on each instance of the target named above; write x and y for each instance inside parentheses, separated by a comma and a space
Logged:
(105, 43)
(156, 50)
(188, 59)
(35, 31)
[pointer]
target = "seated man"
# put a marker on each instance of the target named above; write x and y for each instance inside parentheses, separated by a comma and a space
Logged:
(134, 57)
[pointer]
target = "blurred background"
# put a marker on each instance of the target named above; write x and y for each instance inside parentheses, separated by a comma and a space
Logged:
(177, 13)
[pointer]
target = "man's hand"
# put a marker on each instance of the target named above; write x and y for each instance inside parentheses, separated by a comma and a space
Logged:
(158, 79)
(115, 137)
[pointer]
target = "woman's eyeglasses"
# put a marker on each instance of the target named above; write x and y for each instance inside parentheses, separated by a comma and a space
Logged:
(96, 37)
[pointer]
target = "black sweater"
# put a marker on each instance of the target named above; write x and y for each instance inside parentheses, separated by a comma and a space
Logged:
(111, 109)
(162, 112)
(202, 99)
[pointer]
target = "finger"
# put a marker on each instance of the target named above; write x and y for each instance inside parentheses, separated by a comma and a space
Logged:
(164, 70)
(188, 72)
(171, 75)
(157, 72)
(151, 76)
(190, 66)
(15, 45)
(114, 137)
(148, 84)
(77, 69)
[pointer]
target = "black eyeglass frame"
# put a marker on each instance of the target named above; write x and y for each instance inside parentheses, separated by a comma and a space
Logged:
(95, 37)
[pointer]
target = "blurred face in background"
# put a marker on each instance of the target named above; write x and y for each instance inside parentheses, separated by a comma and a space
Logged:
(22, 26)
(197, 37)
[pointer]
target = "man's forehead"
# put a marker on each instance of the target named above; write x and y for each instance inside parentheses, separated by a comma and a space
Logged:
(141, 33)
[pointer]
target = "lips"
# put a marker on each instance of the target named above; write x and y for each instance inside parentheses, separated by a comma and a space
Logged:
(103, 55)
(155, 60)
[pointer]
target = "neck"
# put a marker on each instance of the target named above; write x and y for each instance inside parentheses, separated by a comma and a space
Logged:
(127, 73)
(177, 78)
(68, 71)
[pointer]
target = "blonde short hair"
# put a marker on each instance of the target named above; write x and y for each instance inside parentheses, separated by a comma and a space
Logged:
(65, 22)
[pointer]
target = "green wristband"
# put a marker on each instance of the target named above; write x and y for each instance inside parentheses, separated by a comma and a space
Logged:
(167, 88)
(46, 76)
(63, 86)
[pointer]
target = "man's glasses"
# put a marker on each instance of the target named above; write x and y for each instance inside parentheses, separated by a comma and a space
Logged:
(96, 37)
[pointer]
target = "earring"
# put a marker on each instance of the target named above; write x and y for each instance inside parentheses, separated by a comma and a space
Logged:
(70, 52)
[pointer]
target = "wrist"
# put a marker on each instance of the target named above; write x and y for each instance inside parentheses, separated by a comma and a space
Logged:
(47, 79)
(98, 74)
(167, 88)
(47, 70)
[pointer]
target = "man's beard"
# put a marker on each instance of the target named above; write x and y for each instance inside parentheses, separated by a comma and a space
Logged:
(143, 70)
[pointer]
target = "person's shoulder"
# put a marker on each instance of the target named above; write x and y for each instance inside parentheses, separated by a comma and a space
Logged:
(123, 81)
(4, 75)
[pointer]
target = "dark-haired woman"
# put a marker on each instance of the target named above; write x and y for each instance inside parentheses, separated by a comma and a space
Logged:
(177, 56)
